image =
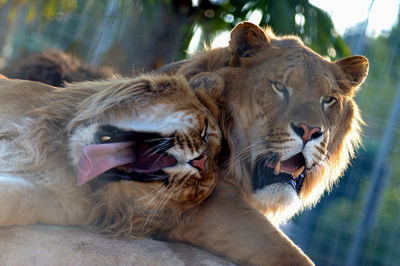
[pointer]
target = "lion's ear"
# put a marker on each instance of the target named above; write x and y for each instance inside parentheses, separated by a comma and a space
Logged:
(209, 88)
(355, 69)
(246, 39)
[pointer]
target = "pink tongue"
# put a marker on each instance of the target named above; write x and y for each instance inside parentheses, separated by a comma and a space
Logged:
(98, 158)
(290, 165)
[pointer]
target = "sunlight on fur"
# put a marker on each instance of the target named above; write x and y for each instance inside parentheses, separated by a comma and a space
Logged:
(278, 202)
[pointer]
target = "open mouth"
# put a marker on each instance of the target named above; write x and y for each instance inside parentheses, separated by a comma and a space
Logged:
(127, 155)
(291, 171)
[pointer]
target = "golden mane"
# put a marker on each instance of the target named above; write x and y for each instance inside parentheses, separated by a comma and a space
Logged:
(257, 58)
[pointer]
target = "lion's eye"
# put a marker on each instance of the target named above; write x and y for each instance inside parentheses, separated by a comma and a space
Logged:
(204, 132)
(280, 89)
(328, 100)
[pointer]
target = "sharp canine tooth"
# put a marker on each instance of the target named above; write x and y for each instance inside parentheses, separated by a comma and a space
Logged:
(105, 138)
(297, 172)
(277, 168)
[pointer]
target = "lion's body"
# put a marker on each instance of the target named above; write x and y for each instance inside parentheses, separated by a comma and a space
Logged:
(27, 172)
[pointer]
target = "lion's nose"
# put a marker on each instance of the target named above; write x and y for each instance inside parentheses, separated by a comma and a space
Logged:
(306, 132)
(199, 162)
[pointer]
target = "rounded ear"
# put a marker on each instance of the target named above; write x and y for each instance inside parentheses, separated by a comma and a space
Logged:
(247, 38)
(169, 69)
(355, 69)
(209, 88)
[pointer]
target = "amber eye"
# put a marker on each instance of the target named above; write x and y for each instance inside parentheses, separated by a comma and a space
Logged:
(328, 100)
(280, 89)
(204, 132)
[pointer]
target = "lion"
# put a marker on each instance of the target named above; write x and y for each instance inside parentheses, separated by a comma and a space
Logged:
(148, 157)
(126, 157)
(287, 114)
(54, 67)
(288, 118)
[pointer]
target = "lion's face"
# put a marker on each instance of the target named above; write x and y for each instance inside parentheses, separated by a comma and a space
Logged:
(291, 121)
(149, 150)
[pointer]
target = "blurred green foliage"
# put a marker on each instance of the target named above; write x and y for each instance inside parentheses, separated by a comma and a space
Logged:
(46, 9)
(297, 17)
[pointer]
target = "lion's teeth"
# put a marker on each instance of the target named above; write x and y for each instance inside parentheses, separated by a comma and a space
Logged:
(277, 168)
(105, 138)
(297, 172)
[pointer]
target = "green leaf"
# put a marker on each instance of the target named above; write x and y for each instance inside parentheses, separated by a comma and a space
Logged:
(50, 9)
(31, 13)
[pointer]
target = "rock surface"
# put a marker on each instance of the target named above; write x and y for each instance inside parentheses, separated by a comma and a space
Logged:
(59, 245)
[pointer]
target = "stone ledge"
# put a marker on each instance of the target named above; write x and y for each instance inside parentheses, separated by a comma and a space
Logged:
(60, 245)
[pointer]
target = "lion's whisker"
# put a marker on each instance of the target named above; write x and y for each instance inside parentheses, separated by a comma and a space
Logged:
(164, 199)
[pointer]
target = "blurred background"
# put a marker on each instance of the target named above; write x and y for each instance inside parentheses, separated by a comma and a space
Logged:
(358, 222)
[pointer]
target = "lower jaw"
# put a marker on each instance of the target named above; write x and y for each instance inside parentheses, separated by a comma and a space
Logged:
(278, 202)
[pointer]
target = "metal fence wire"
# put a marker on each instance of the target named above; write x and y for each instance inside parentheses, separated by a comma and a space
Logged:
(358, 222)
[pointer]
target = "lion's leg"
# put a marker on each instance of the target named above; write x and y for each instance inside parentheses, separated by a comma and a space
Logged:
(226, 225)
(18, 200)
(23, 202)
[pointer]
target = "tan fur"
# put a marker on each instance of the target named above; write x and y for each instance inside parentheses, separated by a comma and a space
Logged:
(255, 117)
(42, 134)
(44, 129)
(38, 245)
(248, 108)
(228, 226)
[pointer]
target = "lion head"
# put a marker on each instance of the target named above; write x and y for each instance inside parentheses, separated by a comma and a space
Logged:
(287, 114)
(149, 145)
(142, 150)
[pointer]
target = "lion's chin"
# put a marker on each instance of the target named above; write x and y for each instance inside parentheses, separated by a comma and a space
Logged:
(278, 202)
